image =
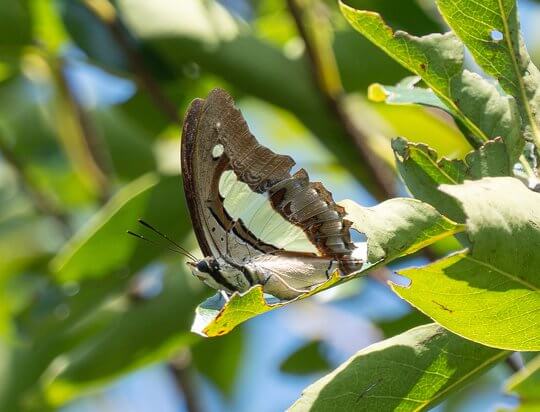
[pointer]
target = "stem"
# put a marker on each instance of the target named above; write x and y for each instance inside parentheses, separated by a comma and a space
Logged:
(106, 14)
(180, 367)
(41, 202)
(326, 76)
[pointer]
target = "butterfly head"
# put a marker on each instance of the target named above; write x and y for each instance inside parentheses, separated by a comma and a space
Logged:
(220, 275)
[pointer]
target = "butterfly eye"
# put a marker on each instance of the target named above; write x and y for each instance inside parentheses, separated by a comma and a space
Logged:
(202, 266)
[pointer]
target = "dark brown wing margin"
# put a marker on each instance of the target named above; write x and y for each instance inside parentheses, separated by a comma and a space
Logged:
(189, 133)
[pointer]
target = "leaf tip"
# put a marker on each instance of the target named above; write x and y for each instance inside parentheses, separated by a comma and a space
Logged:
(377, 93)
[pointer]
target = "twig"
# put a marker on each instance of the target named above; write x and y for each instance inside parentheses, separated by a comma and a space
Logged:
(181, 368)
(40, 201)
(334, 95)
(106, 14)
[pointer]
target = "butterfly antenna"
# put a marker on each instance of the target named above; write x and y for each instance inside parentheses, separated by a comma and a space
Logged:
(164, 236)
(181, 252)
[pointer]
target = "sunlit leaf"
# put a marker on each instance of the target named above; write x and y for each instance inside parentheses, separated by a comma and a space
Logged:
(215, 317)
(412, 371)
(88, 255)
(491, 298)
(438, 60)
(490, 30)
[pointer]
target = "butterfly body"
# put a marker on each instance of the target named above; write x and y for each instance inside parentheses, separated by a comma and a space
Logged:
(285, 276)
(255, 222)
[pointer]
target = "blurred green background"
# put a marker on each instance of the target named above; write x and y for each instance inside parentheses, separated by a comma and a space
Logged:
(92, 95)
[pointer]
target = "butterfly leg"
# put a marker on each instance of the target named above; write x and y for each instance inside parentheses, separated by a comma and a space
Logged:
(328, 270)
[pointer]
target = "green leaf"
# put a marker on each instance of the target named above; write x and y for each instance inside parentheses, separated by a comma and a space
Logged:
(215, 317)
(409, 14)
(438, 60)
(423, 172)
(399, 227)
(526, 383)
(158, 200)
(15, 25)
(36, 143)
(490, 30)
(395, 228)
(411, 320)
(409, 372)
(491, 298)
(89, 34)
(129, 145)
(405, 92)
(305, 360)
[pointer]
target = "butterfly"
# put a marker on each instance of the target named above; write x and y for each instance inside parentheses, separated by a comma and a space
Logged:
(255, 222)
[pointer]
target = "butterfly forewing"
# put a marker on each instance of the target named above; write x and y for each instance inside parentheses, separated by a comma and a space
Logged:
(242, 198)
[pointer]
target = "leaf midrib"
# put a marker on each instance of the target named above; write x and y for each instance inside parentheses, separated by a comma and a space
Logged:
(440, 93)
(505, 274)
(463, 378)
(525, 100)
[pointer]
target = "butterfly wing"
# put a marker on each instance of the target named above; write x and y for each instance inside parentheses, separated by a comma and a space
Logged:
(242, 197)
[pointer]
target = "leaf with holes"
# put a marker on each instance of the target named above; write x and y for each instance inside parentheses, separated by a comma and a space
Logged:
(490, 29)
(490, 294)
(423, 172)
(409, 372)
(399, 227)
(438, 60)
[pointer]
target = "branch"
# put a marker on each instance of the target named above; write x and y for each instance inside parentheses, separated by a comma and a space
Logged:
(180, 367)
(106, 14)
(326, 76)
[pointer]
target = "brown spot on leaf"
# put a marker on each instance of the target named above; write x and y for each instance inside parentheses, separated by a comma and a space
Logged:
(443, 307)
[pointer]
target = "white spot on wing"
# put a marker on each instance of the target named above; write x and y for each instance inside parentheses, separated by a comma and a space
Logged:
(217, 150)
